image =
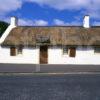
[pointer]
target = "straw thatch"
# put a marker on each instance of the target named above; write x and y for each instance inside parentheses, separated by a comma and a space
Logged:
(30, 36)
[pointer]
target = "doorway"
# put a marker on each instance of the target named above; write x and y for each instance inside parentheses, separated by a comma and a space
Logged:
(43, 54)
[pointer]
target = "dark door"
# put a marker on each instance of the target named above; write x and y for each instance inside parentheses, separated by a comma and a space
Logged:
(13, 51)
(43, 54)
(72, 52)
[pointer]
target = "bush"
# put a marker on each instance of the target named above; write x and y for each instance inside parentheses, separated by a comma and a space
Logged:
(3, 27)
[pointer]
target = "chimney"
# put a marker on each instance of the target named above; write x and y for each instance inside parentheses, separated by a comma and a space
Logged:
(14, 21)
(86, 21)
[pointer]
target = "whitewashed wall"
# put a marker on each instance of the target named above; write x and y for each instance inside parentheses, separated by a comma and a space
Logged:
(83, 56)
(55, 56)
(29, 56)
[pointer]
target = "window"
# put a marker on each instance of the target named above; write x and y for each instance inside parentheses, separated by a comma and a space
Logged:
(20, 49)
(97, 50)
(65, 50)
(13, 51)
(84, 48)
(72, 52)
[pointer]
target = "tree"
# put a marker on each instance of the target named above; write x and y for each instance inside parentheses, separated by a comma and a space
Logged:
(3, 27)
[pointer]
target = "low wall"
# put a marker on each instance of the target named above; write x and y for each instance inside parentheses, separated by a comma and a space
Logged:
(30, 68)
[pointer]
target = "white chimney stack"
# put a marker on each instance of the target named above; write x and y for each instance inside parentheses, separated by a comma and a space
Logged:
(86, 22)
(14, 21)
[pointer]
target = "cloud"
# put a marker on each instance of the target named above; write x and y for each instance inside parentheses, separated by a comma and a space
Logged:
(56, 22)
(91, 7)
(68, 4)
(40, 23)
(7, 6)
(27, 22)
(59, 22)
(62, 4)
(96, 23)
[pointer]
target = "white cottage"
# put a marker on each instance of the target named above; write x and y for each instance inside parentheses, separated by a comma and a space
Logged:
(50, 45)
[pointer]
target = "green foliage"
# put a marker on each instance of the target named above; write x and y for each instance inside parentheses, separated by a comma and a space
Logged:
(3, 27)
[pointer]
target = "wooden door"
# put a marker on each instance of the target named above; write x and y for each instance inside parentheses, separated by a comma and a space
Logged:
(72, 52)
(43, 54)
(13, 51)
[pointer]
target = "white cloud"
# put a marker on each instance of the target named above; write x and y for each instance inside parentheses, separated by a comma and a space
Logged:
(27, 22)
(40, 23)
(62, 4)
(59, 22)
(67, 4)
(96, 23)
(91, 7)
(7, 6)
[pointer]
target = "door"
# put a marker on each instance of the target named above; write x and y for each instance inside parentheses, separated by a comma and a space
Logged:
(72, 52)
(12, 51)
(43, 54)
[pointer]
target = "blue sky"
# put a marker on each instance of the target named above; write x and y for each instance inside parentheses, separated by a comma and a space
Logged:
(50, 12)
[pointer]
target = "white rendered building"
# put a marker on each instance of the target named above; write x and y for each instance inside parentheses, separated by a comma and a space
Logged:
(50, 45)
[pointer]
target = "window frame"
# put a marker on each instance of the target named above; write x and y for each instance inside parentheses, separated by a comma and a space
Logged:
(67, 50)
(20, 50)
(96, 52)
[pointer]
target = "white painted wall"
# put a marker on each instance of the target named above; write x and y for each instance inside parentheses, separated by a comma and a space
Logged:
(55, 56)
(83, 56)
(29, 56)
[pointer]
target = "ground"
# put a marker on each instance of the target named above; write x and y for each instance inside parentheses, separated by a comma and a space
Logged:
(47, 68)
(50, 87)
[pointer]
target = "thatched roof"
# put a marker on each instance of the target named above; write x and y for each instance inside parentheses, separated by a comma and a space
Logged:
(30, 36)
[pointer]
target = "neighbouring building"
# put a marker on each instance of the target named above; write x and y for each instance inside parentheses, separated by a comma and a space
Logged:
(50, 44)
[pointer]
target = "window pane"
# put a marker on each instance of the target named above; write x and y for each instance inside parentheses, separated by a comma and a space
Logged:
(65, 50)
(97, 50)
(20, 50)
